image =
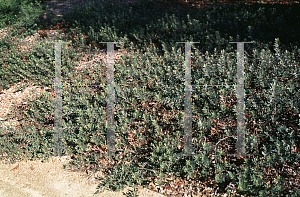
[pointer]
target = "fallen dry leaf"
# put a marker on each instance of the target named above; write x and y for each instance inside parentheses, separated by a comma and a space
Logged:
(15, 168)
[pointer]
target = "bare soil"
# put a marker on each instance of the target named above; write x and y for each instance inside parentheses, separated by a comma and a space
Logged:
(40, 178)
(49, 178)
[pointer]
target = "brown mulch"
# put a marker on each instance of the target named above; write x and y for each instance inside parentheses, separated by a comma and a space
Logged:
(174, 186)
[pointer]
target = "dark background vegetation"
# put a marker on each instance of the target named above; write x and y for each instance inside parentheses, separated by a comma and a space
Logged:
(153, 27)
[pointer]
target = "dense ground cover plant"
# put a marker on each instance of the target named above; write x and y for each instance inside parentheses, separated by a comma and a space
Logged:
(209, 26)
(11, 11)
(150, 105)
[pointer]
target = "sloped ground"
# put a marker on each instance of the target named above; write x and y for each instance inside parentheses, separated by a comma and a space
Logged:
(49, 178)
(44, 178)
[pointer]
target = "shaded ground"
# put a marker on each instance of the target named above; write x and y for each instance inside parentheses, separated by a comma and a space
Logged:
(37, 178)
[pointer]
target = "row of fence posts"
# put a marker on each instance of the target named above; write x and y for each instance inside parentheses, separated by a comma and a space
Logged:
(188, 150)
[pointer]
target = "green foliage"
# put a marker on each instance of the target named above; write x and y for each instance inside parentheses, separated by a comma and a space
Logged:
(149, 97)
(13, 10)
(8, 9)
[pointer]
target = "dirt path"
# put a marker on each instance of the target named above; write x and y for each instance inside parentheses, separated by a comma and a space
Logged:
(37, 178)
